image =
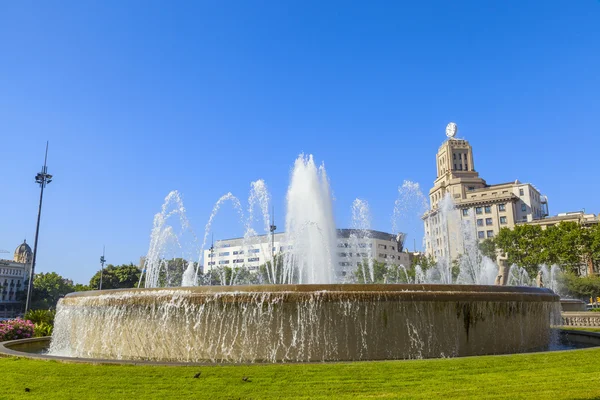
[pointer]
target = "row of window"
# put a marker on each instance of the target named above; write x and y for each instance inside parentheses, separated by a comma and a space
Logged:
(238, 261)
(235, 253)
(6, 271)
(490, 221)
(486, 209)
(482, 234)
(361, 245)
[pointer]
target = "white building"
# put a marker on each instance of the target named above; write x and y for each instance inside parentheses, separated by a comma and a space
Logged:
(13, 274)
(353, 247)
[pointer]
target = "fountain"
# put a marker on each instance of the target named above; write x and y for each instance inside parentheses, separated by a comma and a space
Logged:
(308, 315)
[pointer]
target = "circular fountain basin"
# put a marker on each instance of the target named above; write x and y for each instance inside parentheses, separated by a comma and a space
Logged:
(299, 323)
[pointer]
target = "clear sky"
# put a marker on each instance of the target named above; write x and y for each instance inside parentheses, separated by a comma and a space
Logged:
(138, 98)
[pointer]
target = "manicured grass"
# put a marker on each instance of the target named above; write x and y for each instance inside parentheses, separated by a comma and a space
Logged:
(558, 375)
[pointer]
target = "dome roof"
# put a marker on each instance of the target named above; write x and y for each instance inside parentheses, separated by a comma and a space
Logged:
(23, 252)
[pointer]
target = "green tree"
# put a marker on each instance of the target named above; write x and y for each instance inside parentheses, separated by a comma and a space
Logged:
(363, 272)
(117, 277)
(487, 248)
(524, 245)
(48, 288)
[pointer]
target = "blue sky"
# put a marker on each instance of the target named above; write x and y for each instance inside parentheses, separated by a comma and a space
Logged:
(139, 98)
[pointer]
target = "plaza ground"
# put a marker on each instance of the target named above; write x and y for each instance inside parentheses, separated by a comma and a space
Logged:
(556, 375)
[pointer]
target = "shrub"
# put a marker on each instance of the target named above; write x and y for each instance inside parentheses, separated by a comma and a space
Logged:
(581, 287)
(15, 329)
(42, 329)
(41, 316)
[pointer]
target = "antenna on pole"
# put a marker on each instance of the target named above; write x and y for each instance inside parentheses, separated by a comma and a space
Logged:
(42, 178)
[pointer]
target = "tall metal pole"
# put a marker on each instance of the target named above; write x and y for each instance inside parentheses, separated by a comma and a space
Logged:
(102, 261)
(42, 178)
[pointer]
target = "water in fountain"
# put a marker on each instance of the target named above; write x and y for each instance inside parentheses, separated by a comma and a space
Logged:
(310, 228)
(168, 243)
(457, 236)
(359, 239)
(410, 204)
(518, 276)
(550, 277)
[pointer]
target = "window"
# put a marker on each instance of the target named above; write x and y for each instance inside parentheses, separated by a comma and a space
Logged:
(466, 167)
(503, 220)
(238, 261)
(478, 210)
(253, 251)
(490, 234)
(393, 248)
(471, 188)
(225, 253)
(501, 207)
(465, 212)
(488, 209)
(342, 254)
(344, 264)
(236, 253)
(223, 262)
(488, 221)
(454, 156)
(253, 259)
(382, 246)
(523, 207)
(460, 167)
(211, 255)
(481, 234)
(480, 222)
(226, 245)
(454, 166)
(521, 192)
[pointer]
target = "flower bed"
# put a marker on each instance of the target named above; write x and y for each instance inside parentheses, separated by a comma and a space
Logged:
(15, 329)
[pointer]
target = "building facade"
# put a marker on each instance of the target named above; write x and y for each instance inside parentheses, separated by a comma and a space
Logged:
(13, 275)
(464, 205)
(353, 246)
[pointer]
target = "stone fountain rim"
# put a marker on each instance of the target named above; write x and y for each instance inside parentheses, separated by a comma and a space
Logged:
(329, 288)
(7, 351)
(309, 292)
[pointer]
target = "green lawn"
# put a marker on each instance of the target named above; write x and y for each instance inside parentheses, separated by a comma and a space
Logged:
(559, 375)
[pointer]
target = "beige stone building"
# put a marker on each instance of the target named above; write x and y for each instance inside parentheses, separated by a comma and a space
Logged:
(13, 274)
(464, 205)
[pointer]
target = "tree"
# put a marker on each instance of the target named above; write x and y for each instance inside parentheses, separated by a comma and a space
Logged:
(524, 246)
(363, 272)
(48, 288)
(487, 248)
(117, 277)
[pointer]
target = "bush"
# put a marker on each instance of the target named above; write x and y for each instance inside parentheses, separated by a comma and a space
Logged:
(15, 329)
(43, 321)
(581, 287)
(42, 329)
(40, 316)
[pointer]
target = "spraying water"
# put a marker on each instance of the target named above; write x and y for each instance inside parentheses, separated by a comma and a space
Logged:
(310, 227)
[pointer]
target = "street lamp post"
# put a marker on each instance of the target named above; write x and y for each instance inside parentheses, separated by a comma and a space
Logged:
(102, 261)
(42, 178)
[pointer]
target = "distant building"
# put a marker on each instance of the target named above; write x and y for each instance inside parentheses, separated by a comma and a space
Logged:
(487, 208)
(575, 216)
(251, 253)
(13, 274)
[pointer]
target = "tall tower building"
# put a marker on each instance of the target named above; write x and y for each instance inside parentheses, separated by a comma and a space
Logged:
(477, 209)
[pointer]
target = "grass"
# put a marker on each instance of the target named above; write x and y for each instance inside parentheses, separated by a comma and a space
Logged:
(558, 375)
